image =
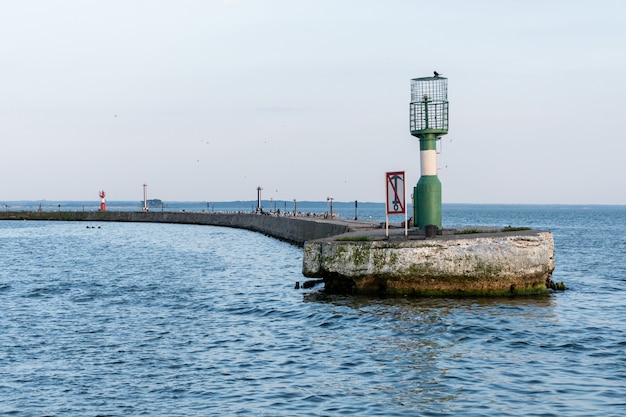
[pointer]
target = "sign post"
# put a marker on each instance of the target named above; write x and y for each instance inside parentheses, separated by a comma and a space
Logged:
(395, 203)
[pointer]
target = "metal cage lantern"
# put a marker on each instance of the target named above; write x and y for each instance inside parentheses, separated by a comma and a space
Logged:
(429, 106)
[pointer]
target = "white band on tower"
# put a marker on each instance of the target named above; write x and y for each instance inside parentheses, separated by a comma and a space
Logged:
(428, 162)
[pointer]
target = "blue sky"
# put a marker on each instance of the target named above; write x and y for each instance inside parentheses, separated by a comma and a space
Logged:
(204, 100)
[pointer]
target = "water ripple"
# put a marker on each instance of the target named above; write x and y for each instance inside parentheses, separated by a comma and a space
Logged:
(186, 320)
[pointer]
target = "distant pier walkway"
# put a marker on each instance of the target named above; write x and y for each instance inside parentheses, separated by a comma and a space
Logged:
(293, 229)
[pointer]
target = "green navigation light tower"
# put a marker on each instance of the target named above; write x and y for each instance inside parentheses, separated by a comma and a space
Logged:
(429, 121)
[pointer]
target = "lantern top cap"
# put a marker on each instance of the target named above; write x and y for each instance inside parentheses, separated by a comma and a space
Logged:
(428, 78)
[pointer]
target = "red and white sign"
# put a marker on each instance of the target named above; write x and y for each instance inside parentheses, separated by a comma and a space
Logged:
(396, 202)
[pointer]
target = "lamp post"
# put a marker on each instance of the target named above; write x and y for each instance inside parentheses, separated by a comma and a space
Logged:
(331, 206)
(294, 207)
(145, 197)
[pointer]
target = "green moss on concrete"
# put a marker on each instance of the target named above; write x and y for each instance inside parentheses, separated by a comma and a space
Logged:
(393, 258)
(352, 239)
(360, 255)
(486, 269)
(418, 270)
(465, 293)
(381, 288)
(514, 229)
(468, 231)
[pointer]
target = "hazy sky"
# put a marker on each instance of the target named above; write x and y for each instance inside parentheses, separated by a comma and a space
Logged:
(204, 100)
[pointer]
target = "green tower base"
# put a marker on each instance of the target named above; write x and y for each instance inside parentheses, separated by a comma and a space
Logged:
(427, 202)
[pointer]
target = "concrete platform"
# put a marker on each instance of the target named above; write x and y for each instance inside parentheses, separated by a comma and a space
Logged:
(476, 262)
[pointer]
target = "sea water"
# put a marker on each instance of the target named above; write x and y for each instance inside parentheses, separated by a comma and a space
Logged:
(127, 319)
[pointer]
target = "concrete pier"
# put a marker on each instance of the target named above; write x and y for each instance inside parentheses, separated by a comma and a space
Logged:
(296, 230)
(356, 257)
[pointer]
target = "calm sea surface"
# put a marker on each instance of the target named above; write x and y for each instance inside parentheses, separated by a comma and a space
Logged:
(123, 319)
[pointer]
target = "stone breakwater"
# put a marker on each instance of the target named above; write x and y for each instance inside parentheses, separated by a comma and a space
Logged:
(296, 230)
(502, 263)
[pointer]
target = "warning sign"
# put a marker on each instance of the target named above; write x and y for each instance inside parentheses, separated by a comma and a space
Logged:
(396, 202)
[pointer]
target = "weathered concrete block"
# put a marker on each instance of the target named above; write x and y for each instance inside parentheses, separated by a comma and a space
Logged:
(482, 264)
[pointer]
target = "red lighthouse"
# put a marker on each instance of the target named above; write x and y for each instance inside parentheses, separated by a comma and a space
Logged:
(103, 203)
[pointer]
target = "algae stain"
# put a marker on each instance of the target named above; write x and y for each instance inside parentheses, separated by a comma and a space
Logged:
(360, 255)
(418, 270)
(485, 269)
